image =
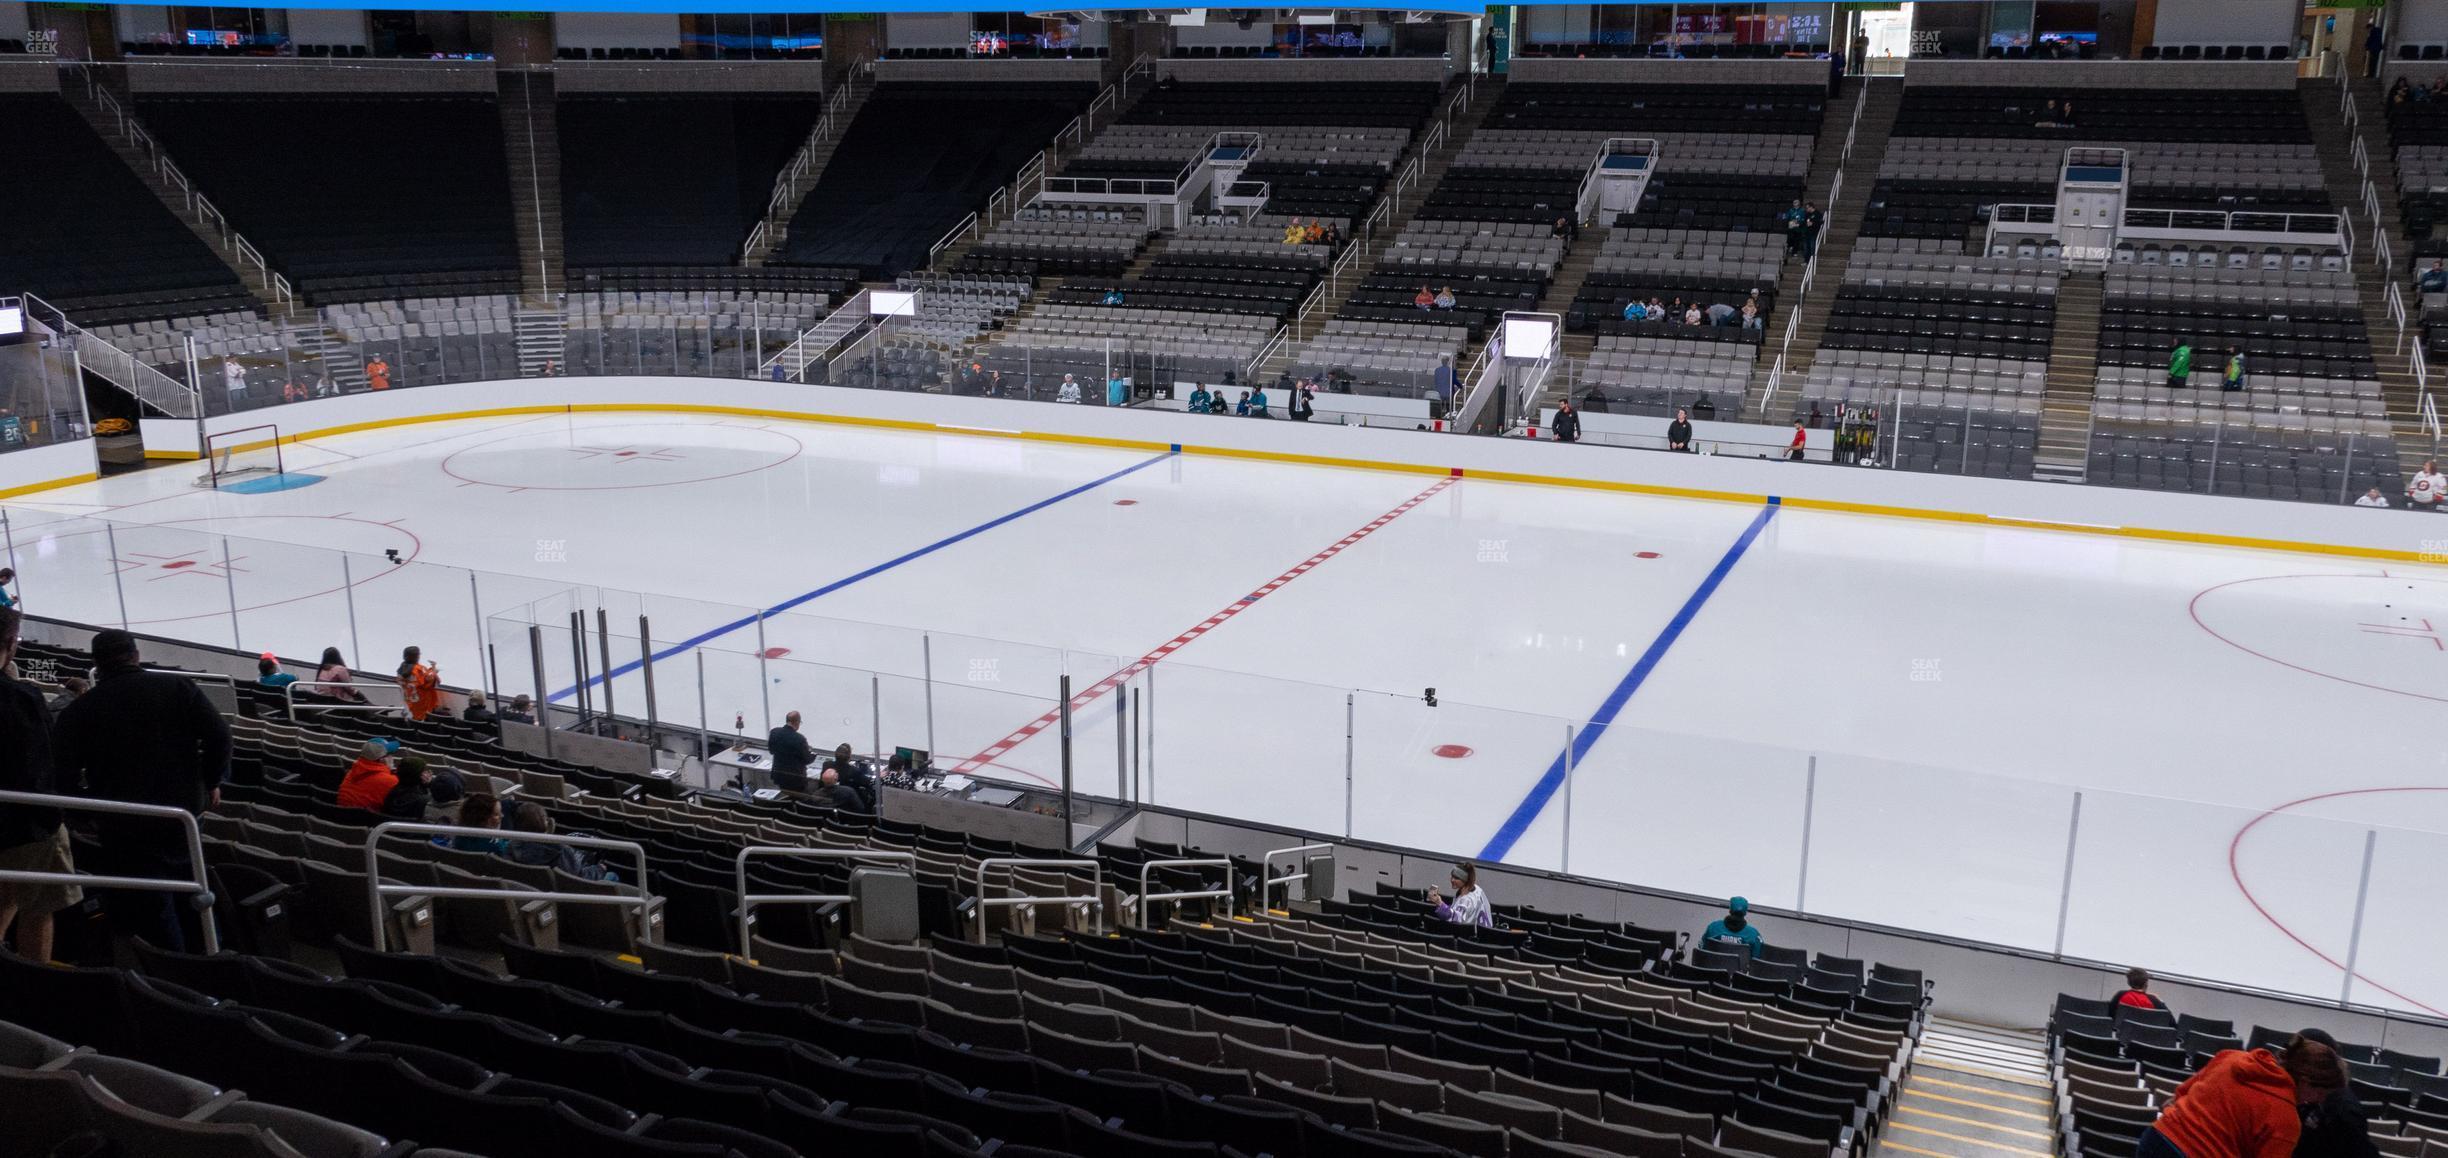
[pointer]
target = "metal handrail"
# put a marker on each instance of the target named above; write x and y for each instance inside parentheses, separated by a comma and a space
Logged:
(1266, 884)
(376, 890)
(1097, 868)
(2289, 222)
(167, 394)
(1249, 373)
(1148, 869)
(749, 901)
(198, 886)
(289, 698)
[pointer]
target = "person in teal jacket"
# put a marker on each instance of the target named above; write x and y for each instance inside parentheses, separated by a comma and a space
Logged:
(1198, 398)
(1734, 930)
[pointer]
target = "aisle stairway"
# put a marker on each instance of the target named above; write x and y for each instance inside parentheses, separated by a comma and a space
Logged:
(1843, 228)
(823, 138)
(2064, 453)
(531, 142)
(2345, 188)
(100, 97)
(1974, 1092)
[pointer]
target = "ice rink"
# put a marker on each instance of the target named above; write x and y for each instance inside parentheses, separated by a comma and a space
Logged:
(1880, 719)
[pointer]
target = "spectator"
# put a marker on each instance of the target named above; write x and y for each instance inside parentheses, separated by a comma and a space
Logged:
(1861, 52)
(1445, 378)
(142, 737)
(841, 796)
(2235, 370)
(792, 755)
(1635, 312)
(369, 781)
(1751, 319)
(1567, 228)
(378, 374)
(2371, 498)
(2335, 1126)
(2245, 1103)
(1812, 222)
(1198, 398)
(1656, 310)
(8, 575)
(1734, 930)
(1216, 403)
(1304, 402)
(268, 673)
(1294, 234)
(1720, 314)
(1425, 299)
(1679, 432)
(233, 376)
(1445, 298)
(857, 774)
(1469, 905)
(1258, 404)
(2435, 279)
(1567, 422)
(70, 688)
(1069, 391)
(522, 711)
(1691, 314)
(1316, 233)
(2137, 993)
(1113, 297)
(531, 818)
(479, 709)
(420, 684)
(1793, 217)
(2375, 48)
(1793, 450)
(409, 796)
(31, 839)
(2425, 490)
(2400, 92)
(334, 677)
(2180, 366)
(477, 812)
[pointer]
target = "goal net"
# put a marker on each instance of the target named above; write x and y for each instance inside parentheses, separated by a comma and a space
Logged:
(236, 455)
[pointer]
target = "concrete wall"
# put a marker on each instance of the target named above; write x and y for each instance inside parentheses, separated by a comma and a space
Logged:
(992, 69)
(1278, 70)
(680, 77)
(327, 26)
(929, 29)
(14, 21)
(28, 74)
(616, 30)
(1753, 72)
(2419, 22)
(2261, 22)
(2077, 74)
(2004, 503)
(167, 75)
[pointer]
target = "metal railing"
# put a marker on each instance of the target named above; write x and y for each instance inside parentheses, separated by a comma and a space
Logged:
(242, 253)
(2422, 371)
(1861, 100)
(2428, 411)
(1266, 864)
(786, 183)
(1148, 870)
(376, 890)
(198, 886)
(2240, 221)
(1093, 902)
(1282, 335)
(289, 702)
(748, 901)
(2382, 250)
(967, 228)
(2394, 300)
(121, 368)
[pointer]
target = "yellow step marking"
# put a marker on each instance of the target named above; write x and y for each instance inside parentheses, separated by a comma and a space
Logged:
(1911, 1094)
(1928, 1063)
(2042, 1135)
(1886, 1144)
(1984, 1091)
(1970, 1141)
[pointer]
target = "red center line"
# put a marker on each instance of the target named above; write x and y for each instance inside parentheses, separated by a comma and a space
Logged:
(1080, 700)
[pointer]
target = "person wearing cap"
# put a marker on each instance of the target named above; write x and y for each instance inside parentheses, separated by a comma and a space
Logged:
(1469, 905)
(142, 737)
(2335, 1126)
(369, 781)
(2246, 1103)
(1734, 930)
(268, 673)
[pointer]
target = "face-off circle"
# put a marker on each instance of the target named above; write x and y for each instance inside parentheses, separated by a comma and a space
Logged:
(621, 456)
(2388, 633)
(2261, 850)
(176, 563)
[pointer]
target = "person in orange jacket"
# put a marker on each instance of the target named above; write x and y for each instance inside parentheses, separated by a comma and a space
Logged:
(420, 684)
(378, 374)
(370, 779)
(2245, 1103)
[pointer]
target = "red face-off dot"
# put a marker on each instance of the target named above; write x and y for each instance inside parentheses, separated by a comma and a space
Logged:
(1452, 751)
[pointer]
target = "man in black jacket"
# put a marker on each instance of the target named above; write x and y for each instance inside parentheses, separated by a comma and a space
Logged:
(1678, 432)
(792, 755)
(841, 796)
(856, 775)
(1567, 423)
(143, 737)
(31, 839)
(2335, 1126)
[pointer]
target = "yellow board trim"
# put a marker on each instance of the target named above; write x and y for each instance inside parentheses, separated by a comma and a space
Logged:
(2141, 534)
(54, 484)
(173, 455)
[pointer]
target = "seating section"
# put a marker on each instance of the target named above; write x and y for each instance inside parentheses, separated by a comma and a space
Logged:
(1644, 366)
(1959, 344)
(1395, 358)
(916, 160)
(685, 332)
(88, 237)
(355, 199)
(694, 204)
(1328, 147)
(2311, 424)
(2115, 1066)
(1051, 241)
(954, 308)
(1656, 375)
